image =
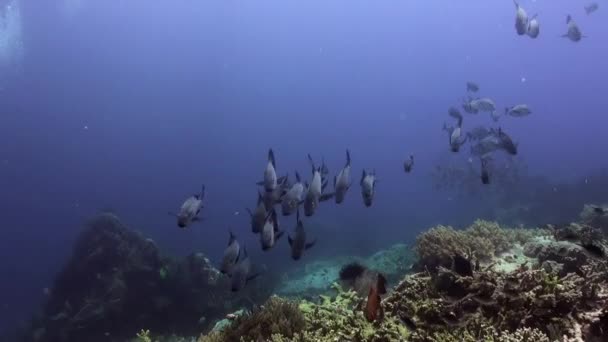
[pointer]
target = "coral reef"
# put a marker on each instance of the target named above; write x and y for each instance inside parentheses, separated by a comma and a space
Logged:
(117, 281)
(480, 243)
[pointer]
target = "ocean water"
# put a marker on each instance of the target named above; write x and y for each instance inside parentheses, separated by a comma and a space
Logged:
(130, 106)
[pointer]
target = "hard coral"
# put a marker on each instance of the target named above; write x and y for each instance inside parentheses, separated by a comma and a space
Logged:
(276, 317)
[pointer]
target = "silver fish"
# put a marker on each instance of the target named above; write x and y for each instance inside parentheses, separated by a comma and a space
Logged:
(270, 232)
(342, 181)
(314, 190)
(299, 243)
(190, 209)
(533, 27)
(368, 187)
(241, 273)
(592, 7)
(518, 110)
(574, 33)
(231, 255)
(408, 164)
(291, 200)
(270, 173)
(258, 217)
(521, 19)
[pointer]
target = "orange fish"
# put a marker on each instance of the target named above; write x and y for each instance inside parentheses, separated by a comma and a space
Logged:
(372, 307)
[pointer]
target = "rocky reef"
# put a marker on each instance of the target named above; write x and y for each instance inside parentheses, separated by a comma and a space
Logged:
(117, 282)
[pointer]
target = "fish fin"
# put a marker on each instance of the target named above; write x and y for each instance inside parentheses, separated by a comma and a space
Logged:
(335, 178)
(324, 185)
(347, 158)
(290, 240)
(310, 244)
(271, 158)
(260, 183)
(306, 185)
(231, 238)
(298, 215)
(568, 19)
(280, 234)
(312, 164)
(202, 192)
(197, 219)
(363, 175)
(253, 276)
(298, 177)
(249, 211)
(325, 197)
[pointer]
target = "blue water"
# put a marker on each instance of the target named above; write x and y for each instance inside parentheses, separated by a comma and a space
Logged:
(130, 106)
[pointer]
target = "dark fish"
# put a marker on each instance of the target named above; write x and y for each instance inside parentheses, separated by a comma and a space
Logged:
(594, 249)
(298, 242)
(258, 217)
(368, 187)
(521, 19)
(292, 198)
(190, 209)
(462, 266)
(592, 7)
(314, 190)
(506, 143)
(373, 306)
(408, 164)
(472, 87)
(599, 210)
(573, 33)
(485, 173)
(241, 273)
(231, 255)
(270, 232)
(342, 181)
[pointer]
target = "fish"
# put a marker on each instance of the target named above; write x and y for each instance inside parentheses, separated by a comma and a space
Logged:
(592, 7)
(518, 111)
(270, 173)
(258, 217)
(408, 164)
(455, 113)
(298, 242)
(479, 133)
(533, 29)
(485, 173)
(368, 187)
(270, 232)
(292, 198)
(486, 145)
(600, 211)
(373, 309)
(521, 19)
(275, 196)
(495, 115)
(467, 107)
(472, 87)
(241, 273)
(314, 190)
(484, 104)
(190, 209)
(455, 139)
(342, 181)
(231, 255)
(506, 143)
(573, 33)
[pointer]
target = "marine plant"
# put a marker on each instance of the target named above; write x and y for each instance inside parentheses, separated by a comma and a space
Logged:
(144, 336)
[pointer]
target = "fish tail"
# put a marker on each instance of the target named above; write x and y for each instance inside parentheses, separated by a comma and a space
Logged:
(347, 157)
(271, 158)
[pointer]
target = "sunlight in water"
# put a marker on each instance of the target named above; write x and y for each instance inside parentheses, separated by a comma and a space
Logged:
(11, 44)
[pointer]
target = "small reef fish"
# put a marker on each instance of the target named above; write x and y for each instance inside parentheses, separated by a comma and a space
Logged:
(314, 190)
(258, 217)
(573, 33)
(518, 111)
(292, 198)
(342, 181)
(472, 87)
(231, 255)
(270, 232)
(190, 209)
(408, 164)
(241, 274)
(521, 19)
(368, 187)
(373, 308)
(592, 7)
(298, 242)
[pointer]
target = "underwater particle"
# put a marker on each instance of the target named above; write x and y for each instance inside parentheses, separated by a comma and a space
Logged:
(402, 116)
(523, 79)
(86, 128)
(46, 291)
